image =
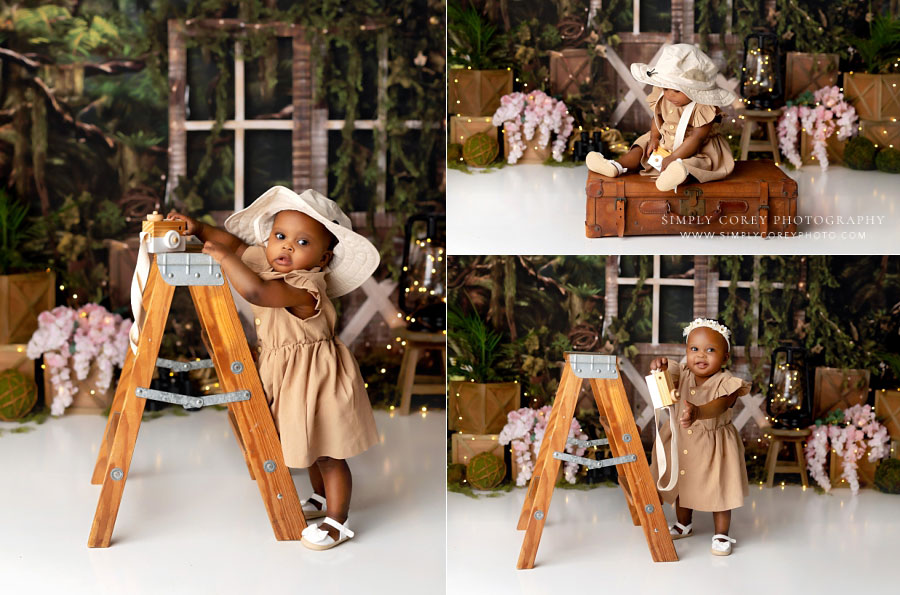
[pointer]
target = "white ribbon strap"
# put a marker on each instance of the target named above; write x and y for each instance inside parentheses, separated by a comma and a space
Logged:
(138, 283)
(661, 451)
(314, 534)
(683, 124)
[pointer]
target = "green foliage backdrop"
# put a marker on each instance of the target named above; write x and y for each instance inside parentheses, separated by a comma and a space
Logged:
(844, 309)
(84, 110)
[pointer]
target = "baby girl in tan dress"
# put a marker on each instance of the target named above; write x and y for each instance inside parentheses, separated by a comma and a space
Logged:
(287, 254)
(685, 102)
(713, 474)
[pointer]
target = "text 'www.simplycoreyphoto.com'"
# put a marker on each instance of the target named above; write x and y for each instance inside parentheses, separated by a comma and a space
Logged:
(778, 222)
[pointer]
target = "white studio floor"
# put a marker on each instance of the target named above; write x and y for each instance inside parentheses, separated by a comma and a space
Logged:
(788, 541)
(192, 521)
(538, 209)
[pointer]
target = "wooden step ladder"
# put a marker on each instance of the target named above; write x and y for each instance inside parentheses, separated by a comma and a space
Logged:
(624, 441)
(247, 406)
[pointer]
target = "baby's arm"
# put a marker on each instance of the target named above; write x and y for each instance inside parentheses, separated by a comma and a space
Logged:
(689, 146)
(210, 233)
(269, 294)
(654, 139)
(716, 407)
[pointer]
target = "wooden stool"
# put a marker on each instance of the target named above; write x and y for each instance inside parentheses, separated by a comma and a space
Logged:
(770, 144)
(418, 342)
(780, 437)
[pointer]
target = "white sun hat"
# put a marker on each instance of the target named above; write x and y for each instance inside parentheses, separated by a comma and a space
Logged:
(685, 68)
(355, 258)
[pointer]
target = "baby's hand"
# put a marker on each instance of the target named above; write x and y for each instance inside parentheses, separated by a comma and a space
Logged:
(688, 414)
(665, 163)
(192, 226)
(215, 249)
(660, 363)
(651, 146)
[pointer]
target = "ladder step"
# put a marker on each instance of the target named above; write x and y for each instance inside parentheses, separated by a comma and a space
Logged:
(184, 366)
(588, 443)
(189, 402)
(591, 463)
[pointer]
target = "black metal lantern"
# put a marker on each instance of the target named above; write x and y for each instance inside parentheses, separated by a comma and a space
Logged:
(788, 397)
(761, 80)
(423, 276)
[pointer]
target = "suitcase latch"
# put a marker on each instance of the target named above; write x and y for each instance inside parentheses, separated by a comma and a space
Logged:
(693, 205)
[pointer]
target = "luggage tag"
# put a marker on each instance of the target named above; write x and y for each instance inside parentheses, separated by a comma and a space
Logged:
(663, 395)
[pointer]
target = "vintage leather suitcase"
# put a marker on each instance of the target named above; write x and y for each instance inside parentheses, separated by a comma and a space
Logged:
(757, 198)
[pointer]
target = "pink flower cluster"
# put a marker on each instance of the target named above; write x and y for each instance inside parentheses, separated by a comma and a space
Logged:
(849, 443)
(524, 432)
(88, 335)
(830, 115)
(524, 114)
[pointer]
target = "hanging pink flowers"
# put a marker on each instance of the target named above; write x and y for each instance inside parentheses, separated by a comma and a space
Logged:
(829, 115)
(90, 334)
(523, 115)
(848, 440)
(524, 432)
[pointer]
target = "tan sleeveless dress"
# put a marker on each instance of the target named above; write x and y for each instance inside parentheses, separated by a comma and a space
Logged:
(713, 472)
(713, 160)
(312, 381)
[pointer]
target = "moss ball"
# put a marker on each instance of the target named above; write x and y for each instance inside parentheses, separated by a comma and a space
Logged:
(18, 394)
(485, 471)
(480, 149)
(454, 152)
(860, 153)
(456, 473)
(888, 160)
(887, 476)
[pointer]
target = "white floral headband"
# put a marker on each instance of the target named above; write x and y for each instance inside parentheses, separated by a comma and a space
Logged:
(712, 324)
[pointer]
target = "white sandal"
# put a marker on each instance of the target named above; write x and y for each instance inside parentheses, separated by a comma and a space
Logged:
(310, 511)
(318, 539)
(723, 547)
(685, 531)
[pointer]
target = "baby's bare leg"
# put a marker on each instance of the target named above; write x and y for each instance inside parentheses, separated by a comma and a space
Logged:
(722, 521)
(684, 515)
(338, 484)
(632, 159)
(318, 484)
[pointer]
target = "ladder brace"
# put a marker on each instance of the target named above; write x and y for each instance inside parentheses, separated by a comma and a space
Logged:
(189, 402)
(591, 463)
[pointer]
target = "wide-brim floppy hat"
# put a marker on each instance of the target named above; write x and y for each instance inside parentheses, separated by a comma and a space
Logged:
(685, 68)
(355, 258)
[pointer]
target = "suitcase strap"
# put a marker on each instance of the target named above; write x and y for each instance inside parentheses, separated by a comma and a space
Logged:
(764, 208)
(620, 208)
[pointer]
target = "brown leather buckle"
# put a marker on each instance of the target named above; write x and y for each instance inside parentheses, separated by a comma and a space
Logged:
(693, 205)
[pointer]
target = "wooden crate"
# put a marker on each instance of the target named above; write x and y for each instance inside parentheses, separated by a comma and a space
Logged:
(122, 261)
(22, 298)
(532, 153)
(837, 388)
(465, 446)
(475, 408)
(569, 69)
(883, 134)
(834, 149)
(83, 401)
(865, 471)
(462, 127)
(809, 72)
(477, 92)
(887, 409)
(875, 96)
(13, 357)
